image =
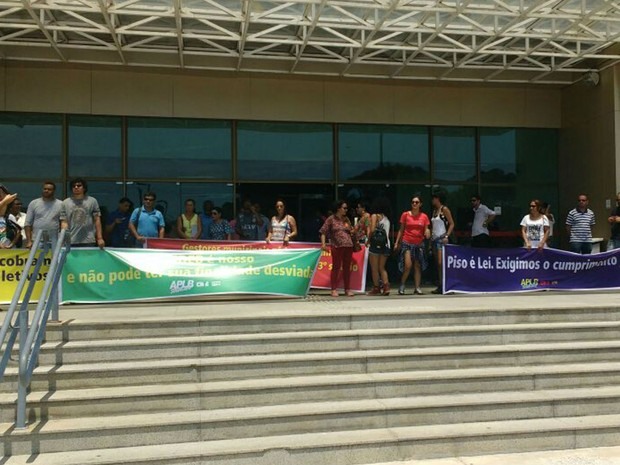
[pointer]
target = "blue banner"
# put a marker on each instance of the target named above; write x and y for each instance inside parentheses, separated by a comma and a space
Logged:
(472, 270)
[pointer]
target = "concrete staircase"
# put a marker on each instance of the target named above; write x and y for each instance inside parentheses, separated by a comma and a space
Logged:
(321, 381)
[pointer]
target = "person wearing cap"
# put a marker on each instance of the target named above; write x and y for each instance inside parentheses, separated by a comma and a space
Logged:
(6, 198)
(43, 214)
(80, 214)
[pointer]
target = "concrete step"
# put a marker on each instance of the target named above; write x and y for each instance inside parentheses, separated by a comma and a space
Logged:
(247, 422)
(313, 316)
(52, 377)
(104, 350)
(357, 446)
(70, 403)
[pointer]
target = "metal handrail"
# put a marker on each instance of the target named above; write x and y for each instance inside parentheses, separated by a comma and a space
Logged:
(31, 336)
(9, 324)
(29, 350)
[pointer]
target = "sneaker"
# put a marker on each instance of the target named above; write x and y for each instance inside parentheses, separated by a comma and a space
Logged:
(418, 291)
(401, 289)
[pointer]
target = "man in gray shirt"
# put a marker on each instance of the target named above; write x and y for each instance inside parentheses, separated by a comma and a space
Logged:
(80, 214)
(43, 214)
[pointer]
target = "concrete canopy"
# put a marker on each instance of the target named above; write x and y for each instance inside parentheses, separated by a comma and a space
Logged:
(501, 41)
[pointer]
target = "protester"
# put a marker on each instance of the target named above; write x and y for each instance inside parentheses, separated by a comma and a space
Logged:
(362, 225)
(6, 198)
(117, 225)
(535, 227)
(189, 225)
(81, 216)
(614, 221)
(219, 229)
(414, 228)
(379, 246)
(339, 230)
(263, 228)
(248, 222)
(19, 217)
(43, 214)
(442, 226)
(206, 218)
(147, 221)
(483, 217)
(546, 210)
(283, 226)
(579, 224)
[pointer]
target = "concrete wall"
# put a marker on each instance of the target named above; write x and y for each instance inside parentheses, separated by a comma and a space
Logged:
(588, 159)
(118, 91)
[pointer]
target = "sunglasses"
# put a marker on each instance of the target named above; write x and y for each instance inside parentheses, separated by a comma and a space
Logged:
(214, 213)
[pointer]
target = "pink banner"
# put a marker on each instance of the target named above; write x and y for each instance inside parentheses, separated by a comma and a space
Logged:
(321, 279)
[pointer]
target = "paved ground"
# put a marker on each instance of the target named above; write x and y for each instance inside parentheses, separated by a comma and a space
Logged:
(597, 456)
(318, 302)
(321, 302)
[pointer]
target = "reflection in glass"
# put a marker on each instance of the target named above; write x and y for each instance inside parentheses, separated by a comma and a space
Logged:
(95, 146)
(498, 157)
(179, 148)
(454, 151)
(31, 146)
(373, 152)
(284, 151)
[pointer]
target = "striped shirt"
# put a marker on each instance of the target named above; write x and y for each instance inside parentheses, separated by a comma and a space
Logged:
(580, 225)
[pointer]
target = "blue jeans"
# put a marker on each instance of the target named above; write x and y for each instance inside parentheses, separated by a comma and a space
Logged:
(613, 244)
(584, 248)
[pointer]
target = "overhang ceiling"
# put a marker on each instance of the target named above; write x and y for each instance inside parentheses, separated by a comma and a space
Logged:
(506, 41)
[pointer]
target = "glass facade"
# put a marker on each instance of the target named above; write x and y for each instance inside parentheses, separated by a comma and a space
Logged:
(306, 164)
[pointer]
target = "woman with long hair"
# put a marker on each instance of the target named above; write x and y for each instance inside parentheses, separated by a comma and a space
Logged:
(379, 246)
(189, 225)
(442, 225)
(339, 230)
(535, 227)
(283, 226)
(414, 228)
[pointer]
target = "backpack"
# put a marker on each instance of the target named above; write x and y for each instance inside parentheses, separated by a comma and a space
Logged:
(378, 239)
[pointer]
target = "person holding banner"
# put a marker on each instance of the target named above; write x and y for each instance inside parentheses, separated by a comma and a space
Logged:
(414, 228)
(6, 198)
(579, 224)
(219, 229)
(146, 221)
(535, 227)
(339, 230)
(189, 225)
(283, 226)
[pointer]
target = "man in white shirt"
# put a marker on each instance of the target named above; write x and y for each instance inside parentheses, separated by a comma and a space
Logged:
(483, 216)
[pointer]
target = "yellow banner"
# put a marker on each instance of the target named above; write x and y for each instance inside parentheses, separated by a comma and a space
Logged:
(12, 263)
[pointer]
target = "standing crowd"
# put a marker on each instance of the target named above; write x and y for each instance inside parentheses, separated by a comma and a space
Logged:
(342, 232)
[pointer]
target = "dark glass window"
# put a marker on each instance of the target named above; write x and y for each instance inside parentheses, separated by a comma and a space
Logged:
(178, 148)
(95, 146)
(454, 151)
(529, 154)
(31, 146)
(372, 152)
(498, 155)
(284, 151)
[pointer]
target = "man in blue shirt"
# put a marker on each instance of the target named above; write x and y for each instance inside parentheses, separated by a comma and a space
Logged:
(117, 225)
(146, 221)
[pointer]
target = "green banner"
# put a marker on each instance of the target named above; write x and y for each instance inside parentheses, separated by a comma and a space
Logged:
(118, 275)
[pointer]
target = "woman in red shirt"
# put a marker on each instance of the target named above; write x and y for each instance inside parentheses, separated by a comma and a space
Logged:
(414, 228)
(339, 230)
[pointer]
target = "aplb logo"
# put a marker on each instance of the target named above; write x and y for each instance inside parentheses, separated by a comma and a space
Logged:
(181, 285)
(529, 283)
